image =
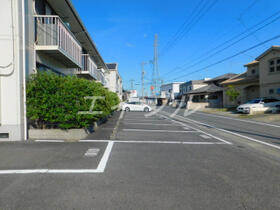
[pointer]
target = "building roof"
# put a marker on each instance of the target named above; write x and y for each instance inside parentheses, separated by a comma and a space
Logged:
(68, 13)
(112, 66)
(211, 88)
(274, 47)
(254, 62)
(201, 81)
(221, 77)
(241, 79)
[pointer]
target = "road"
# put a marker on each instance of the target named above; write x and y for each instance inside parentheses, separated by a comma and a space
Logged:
(156, 161)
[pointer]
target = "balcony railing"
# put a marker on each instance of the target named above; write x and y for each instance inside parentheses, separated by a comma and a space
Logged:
(53, 35)
(90, 70)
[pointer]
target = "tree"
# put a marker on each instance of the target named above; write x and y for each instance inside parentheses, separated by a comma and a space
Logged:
(232, 93)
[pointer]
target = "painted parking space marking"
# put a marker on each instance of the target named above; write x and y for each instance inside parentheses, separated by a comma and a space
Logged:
(165, 131)
(92, 152)
(159, 124)
(196, 129)
(56, 141)
(100, 168)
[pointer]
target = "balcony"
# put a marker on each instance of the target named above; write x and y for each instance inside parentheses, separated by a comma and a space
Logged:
(89, 69)
(54, 38)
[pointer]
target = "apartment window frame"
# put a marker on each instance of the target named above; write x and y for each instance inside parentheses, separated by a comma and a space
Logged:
(271, 91)
(274, 65)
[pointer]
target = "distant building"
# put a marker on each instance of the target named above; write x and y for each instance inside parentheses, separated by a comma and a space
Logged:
(209, 96)
(170, 91)
(113, 79)
(191, 85)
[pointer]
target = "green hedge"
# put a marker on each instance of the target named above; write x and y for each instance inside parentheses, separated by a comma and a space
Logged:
(54, 101)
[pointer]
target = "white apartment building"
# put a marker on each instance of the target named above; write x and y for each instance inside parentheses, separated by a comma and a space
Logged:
(170, 91)
(114, 80)
(40, 35)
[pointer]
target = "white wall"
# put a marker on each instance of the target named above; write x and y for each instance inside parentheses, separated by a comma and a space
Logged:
(12, 79)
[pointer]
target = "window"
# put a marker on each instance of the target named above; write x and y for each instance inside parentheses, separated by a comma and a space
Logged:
(274, 65)
(253, 71)
(271, 91)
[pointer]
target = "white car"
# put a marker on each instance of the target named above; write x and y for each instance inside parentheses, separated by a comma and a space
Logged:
(136, 106)
(259, 105)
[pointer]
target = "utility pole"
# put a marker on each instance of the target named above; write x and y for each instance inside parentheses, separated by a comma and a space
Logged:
(142, 78)
(131, 84)
(155, 79)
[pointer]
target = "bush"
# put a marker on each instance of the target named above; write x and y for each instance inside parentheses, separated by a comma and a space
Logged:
(54, 101)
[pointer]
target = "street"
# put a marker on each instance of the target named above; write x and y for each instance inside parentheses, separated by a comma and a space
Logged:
(154, 162)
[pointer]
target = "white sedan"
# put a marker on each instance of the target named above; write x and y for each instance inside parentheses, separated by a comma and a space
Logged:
(136, 106)
(259, 105)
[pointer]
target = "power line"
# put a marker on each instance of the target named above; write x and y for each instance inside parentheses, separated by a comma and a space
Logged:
(189, 24)
(203, 58)
(228, 58)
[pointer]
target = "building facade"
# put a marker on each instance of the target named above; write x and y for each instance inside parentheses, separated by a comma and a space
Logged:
(170, 91)
(114, 80)
(261, 79)
(40, 35)
(191, 85)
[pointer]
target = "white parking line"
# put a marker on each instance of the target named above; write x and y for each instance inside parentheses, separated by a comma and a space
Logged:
(152, 142)
(159, 124)
(230, 132)
(215, 137)
(100, 168)
(241, 120)
(49, 141)
(161, 131)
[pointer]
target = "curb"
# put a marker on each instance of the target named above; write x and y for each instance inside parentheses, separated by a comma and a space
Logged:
(113, 136)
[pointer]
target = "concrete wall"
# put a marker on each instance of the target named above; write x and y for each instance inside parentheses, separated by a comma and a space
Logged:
(12, 79)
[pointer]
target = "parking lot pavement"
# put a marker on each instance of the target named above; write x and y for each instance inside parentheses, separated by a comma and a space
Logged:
(139, 126)
(50, 157)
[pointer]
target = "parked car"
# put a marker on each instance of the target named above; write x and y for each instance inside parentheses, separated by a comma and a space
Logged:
(259, 104)
(136, 106)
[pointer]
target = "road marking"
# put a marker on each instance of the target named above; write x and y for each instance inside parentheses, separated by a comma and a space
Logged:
(166, 131)
(92, 152)
(165, 142)
(205, 136)
(151, 124)
(233, 133)
(152, 142)
(56, 141)
(215, 137)
(100, 168)
(102, 164)
(248, 121)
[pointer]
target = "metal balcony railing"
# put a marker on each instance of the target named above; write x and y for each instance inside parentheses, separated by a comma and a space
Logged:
(53, 34)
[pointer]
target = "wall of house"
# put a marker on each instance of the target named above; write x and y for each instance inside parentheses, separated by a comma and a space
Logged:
(269, 81)
(247, 92)
(253, 70)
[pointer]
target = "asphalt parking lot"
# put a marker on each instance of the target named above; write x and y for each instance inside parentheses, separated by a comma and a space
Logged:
(154, 162)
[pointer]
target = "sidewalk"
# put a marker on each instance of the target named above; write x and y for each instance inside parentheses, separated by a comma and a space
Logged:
(266, 117)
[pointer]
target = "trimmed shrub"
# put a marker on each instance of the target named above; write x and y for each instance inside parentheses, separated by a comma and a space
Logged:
(55, 101)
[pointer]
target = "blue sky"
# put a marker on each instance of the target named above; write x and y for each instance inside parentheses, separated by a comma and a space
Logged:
(124, 32)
